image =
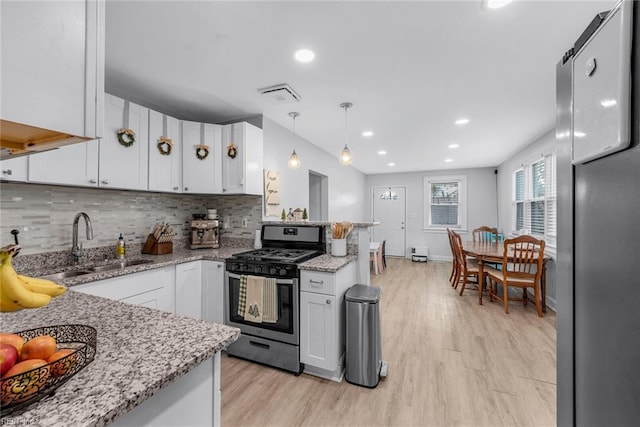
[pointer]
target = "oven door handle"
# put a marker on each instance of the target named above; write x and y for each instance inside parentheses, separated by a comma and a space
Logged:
(278, 281)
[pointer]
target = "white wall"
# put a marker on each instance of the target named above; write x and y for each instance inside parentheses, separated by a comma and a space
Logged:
(544, 145)
(347, 189)
(481, 205)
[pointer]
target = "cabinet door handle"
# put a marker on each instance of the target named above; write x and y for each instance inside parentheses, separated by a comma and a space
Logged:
(315, 282)
(224, 189)
(7, 172)
(105, 182)
(186, 188)
(93, 181)
(329, 302)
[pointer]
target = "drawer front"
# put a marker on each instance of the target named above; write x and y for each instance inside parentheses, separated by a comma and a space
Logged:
(321, 283)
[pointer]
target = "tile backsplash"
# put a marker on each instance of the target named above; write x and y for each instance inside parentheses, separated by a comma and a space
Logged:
(44, 214)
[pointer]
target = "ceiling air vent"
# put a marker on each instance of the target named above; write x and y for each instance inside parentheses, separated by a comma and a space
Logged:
(280, 94)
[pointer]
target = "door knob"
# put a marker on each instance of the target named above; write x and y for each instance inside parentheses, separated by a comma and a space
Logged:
(329, 301)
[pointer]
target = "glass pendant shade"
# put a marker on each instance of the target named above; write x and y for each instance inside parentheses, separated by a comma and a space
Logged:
(345, 156)
(294, 161)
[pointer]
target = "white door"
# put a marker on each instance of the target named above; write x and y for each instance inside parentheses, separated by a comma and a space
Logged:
(389, 209)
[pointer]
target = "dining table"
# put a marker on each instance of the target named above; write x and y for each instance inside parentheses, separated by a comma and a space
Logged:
(493, 253)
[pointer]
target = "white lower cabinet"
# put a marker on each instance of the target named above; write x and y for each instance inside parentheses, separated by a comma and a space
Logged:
(319, 315)
(213, 291)
(322, 321)
(151, 288)
(189, 289)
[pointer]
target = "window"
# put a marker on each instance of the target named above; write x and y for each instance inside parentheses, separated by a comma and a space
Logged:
(534, 199)
(445, 202)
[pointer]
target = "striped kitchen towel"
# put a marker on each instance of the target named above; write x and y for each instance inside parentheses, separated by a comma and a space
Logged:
(270, 304)
(242, 296)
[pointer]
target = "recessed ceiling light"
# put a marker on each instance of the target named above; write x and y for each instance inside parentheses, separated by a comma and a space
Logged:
(606, 103)
(382, 152)
(462, 121)
(579, 134)
(454, 145)
(448, 160)
(304, 55)
(367, 133)
(495, 4)
(391, 164)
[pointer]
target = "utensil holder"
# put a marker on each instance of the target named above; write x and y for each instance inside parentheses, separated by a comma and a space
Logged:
(153, 247)
(339, 247)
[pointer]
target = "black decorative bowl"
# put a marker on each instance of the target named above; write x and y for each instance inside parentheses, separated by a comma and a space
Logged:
(21, 390)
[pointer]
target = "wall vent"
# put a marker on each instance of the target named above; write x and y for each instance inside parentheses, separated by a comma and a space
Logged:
(280, 94)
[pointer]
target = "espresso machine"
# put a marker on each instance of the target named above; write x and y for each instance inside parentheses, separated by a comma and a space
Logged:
(205, 233)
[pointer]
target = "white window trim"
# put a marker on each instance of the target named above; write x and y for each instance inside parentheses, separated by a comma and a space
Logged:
(526, 167)
(462, 202)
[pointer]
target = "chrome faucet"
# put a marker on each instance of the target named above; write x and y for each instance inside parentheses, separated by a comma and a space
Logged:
(76, 250)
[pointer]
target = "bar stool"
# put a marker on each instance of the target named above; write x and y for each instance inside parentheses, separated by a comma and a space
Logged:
(375, 255)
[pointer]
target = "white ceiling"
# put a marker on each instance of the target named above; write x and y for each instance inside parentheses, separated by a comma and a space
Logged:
(410, 69)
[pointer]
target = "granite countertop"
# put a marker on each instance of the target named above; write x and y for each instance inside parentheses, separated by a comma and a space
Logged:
(179, 255)
(325, 262)
(139, 351)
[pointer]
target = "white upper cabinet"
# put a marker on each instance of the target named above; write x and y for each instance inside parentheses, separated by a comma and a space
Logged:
(75, 164)
(201, 165)
(165, 153)
(52, 72)
(123, 166)
(242, 159)
(14, 169)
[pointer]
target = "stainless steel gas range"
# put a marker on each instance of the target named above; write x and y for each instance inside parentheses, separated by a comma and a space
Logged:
(262, 295)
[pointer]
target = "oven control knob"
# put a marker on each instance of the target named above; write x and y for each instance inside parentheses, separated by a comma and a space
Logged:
(272, 270)
(283, 271)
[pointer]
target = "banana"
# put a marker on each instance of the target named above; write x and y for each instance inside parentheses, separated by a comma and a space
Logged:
(42, 286)
(7, 306)
(12, 290)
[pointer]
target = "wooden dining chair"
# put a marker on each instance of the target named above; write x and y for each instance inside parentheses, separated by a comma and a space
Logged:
(454, 264)
(521, 268)
(467, 269)
(485, 234)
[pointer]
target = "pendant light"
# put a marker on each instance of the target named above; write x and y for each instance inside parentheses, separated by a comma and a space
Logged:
(345, 156)
(294, 160)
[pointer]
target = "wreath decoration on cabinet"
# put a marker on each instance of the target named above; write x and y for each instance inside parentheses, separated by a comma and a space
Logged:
(165, 145)
(232, 150)
(202, 151)
(126, 137)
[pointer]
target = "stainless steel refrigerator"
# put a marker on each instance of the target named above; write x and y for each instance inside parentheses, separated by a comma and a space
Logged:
(598, 254)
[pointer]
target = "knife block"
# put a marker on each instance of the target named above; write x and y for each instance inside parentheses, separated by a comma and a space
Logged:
(152, 247)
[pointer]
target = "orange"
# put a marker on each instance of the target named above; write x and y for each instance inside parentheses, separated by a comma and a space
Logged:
(12, 391)
(62, 367)
(14, 339)
(41, 347)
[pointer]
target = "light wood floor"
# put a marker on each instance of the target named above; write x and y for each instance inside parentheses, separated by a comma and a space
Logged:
(451, 363)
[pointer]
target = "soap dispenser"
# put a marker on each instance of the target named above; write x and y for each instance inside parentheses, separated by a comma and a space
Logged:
(121, 248)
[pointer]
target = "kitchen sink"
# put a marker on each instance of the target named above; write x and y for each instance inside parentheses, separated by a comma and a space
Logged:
(67, 274)
(120, 264)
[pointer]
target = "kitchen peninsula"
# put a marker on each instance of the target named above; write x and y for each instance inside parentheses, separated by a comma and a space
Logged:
(151, 367)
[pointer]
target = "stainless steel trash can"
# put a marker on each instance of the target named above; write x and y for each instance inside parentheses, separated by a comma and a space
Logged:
(363, 342)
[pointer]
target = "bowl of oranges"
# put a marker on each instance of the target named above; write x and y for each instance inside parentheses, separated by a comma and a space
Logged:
(35, 362)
